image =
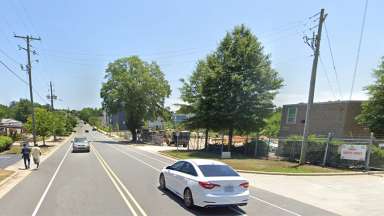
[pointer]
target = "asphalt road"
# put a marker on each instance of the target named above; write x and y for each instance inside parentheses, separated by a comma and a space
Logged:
(118, 179)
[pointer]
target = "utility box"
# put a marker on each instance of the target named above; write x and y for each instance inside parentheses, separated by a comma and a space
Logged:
(225, 155)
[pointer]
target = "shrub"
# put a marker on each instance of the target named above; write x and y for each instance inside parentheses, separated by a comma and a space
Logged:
(5, 143)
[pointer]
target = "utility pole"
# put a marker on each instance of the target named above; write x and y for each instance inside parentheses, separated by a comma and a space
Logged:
(316, 41)
(28, 39)
(51, 96)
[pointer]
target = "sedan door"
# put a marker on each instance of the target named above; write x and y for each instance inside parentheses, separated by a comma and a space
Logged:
(172, 174)
(185, 174)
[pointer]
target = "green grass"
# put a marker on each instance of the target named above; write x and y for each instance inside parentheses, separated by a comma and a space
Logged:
(240, 162)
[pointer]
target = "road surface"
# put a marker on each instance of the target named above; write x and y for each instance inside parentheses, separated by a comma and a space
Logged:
(118, 179)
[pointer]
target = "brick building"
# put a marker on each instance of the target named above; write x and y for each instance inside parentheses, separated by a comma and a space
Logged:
(337, 117)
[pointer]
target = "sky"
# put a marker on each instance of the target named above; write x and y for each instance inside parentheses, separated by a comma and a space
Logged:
(79, 39)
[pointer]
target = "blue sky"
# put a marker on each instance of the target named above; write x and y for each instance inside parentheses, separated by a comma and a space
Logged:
(79, 38)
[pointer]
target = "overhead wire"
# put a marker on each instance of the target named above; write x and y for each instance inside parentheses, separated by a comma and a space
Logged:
(327, 77)
(359, 49)
(333, 61)
(22, 80)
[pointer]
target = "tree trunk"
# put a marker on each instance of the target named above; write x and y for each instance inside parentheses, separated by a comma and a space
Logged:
(43, 141)
(134, 135)
(230, 136)
(206, 139)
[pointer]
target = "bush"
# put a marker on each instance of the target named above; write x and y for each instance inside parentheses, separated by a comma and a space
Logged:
(248, 149)
(5, 143)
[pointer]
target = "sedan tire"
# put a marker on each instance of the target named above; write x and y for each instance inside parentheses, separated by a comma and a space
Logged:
(188, 199)
(162, 182)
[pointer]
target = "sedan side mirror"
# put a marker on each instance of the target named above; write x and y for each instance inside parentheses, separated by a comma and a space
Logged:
(169, 167)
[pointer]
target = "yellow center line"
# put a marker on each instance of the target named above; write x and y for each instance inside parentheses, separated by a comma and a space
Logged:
(114, 182)
(120, 183)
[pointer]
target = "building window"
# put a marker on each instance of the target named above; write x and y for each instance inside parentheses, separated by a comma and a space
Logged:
(291, 115)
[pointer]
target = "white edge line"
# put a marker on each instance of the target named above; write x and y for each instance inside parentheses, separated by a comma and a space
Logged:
(136, 158)
(237, 211)
(50, 183)
(276, 206)
(147, 156)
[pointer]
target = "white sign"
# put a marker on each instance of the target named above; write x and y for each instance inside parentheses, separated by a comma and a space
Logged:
(353, 152)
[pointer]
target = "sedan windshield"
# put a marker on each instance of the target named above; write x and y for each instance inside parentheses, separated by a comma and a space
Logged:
(80, 139)
(217, 170)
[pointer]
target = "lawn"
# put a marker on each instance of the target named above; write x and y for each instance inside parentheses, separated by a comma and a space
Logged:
(244, 163)
(4, 174)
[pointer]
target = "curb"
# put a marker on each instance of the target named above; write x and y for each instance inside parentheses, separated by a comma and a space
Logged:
(293, 174)
(312, 174)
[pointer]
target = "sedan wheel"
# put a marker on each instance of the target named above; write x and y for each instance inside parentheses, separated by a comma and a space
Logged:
(188, 200)
(162, 182)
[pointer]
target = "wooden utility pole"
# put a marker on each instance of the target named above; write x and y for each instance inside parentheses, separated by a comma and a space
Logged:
(316, 48)
(28, 39)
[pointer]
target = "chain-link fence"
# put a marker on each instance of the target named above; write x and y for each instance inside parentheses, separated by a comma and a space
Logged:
(355, 153)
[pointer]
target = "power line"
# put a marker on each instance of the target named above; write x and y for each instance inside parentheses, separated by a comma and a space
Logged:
(333, 62)
(8, 56)
(358, 48)
(327, 77)
(13, 72)
(22, 80)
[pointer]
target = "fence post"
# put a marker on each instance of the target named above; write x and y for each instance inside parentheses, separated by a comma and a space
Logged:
(369, 152)
(257, 142)
(326, 148)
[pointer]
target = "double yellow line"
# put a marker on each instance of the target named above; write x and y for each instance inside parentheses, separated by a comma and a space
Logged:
(123, 191)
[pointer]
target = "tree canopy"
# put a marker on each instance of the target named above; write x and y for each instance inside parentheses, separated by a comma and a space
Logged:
(372, 114)
(233, 88)
(136, 87)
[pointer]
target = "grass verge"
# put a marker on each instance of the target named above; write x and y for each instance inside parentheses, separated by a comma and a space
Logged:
(4, 174)
(240, 162)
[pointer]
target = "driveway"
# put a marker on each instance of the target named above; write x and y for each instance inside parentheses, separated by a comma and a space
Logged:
(8, 159)
(344, 195)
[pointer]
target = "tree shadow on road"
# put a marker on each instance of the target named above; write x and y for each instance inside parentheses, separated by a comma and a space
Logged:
(222, 211)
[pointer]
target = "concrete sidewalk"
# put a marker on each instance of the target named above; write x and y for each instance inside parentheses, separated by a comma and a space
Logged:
(344, 195)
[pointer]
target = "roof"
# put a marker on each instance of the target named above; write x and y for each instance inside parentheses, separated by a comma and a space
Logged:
(10, 123)
(204, 162)
(327, 102)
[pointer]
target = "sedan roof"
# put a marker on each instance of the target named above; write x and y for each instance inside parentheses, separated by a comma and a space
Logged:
(204, 162)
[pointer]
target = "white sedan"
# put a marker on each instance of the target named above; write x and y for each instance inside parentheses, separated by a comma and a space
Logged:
(205, 183)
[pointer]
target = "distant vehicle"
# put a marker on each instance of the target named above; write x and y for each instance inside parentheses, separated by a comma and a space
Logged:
(86, 131)
(80, 144)
(205, 183)
(94, 129)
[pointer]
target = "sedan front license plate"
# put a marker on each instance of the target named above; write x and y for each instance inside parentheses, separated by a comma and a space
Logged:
(228, 188)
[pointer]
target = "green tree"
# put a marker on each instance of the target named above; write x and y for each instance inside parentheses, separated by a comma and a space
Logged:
(194, 102)
(20, 110)
(136, 87)
(4, 111)
(86, 113)
(240, 90)
(58, 123)
(272, 125)
(372, 114)
(43, 123)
